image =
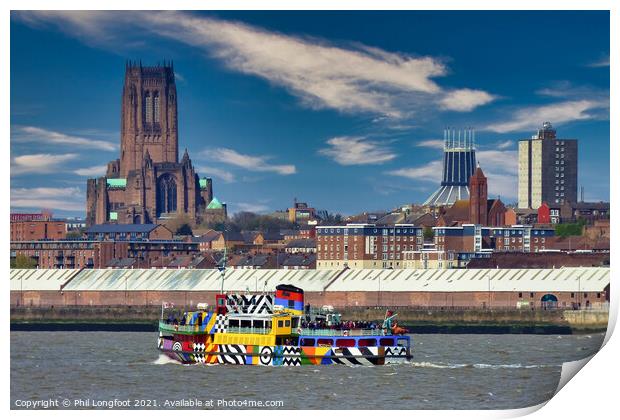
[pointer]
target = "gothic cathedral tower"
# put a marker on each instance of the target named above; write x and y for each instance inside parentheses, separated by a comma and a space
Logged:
(148, 117)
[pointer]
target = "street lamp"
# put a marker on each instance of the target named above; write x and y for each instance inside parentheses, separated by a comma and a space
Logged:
(489, 280)
(379, 290)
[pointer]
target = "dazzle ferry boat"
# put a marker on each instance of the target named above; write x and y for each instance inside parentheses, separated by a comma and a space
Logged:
(277, 329)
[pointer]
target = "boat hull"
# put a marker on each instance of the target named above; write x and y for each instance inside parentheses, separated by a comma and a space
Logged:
(236, 354)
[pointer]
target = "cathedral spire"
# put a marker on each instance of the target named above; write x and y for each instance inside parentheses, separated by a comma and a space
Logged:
(185, 156)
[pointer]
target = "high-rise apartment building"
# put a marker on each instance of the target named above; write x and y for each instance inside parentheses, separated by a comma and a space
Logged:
(547, 169)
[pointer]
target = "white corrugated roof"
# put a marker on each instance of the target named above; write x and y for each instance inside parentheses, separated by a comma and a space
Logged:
(207, 280)
(24, 279)
(406, 280)
(474, 280)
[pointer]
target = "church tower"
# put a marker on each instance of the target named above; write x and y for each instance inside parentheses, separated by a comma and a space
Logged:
(148, 117)
(478, 198)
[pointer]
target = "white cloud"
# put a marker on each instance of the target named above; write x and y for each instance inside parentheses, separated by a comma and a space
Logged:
(40, 163)
(95, 171)
(71, 198)
(601, 62)
(251, 163)
(503, 145)
(429, 172)
(357, 151)
(465, 99)
(209, 171)
(40, 135)
(531, 117)
(433, 143)
(355, 78)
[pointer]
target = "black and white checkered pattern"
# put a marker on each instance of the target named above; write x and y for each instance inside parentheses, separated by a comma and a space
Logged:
(221, 324)
(199, 347)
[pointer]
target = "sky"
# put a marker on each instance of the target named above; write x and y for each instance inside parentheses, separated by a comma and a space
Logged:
(343, 110)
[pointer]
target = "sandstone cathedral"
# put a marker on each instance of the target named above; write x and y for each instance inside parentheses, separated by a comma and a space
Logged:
(148, 184)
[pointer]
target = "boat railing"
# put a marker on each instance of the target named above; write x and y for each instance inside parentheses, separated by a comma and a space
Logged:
(340, 333)
(164, 326)
(176, 328)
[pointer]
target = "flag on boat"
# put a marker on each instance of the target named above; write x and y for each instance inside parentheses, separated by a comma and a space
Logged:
(167, 305)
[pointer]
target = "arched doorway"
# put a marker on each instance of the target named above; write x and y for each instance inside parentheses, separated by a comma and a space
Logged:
(166, 194)
(549, 301)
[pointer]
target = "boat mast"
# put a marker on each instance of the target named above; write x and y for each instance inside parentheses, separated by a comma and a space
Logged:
(222, 263)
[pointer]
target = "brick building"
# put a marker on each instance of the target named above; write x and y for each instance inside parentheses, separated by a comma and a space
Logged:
(112, 232)
(148, 184)
(38, 230)
(476, 238)
(365, 245)
(98, 254)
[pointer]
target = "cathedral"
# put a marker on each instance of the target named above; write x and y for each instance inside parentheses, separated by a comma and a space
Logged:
(148, 184)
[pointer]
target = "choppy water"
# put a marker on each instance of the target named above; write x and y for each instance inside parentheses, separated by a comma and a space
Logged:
(448, 372)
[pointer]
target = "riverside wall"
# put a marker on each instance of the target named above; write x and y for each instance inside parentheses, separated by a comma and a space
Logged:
(418, 320)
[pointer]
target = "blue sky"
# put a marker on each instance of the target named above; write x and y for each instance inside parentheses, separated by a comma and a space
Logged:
(343, 110)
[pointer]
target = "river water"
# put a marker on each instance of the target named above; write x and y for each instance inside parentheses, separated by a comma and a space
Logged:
(470, 371)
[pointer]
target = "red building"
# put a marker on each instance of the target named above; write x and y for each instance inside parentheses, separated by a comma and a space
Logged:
(544, 214)
(478, 198)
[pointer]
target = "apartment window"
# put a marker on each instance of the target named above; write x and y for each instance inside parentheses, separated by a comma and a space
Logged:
(572, 295)
(531, 295)
(520, 294)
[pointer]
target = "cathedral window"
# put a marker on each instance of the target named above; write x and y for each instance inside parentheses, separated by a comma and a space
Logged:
(166, 194)
(156, 107)
(148, 108)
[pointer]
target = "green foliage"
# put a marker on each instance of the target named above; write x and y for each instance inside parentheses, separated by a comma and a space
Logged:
(23, 261)
(428, 234)
(75, 234)
(246, 220)
(564, 230)
(184, 229)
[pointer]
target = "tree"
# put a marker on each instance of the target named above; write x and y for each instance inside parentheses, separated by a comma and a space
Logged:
(23, 261)
(180, 225)
(564, 230)
(184, 229)
(75, 234)
(428, 234)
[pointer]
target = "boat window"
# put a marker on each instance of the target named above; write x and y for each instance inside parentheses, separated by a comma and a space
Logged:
(308, 342)
(367, 342)
(386, 342)
(287, 323)
(233, 323)
(345, 342)
(259, 323)
(246, 323)
(403, 342)
(268, 325)
(295, 322)
(325, 342)
(280, 324)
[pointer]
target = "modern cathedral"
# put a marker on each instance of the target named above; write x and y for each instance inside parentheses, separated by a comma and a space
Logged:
(148, 184)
